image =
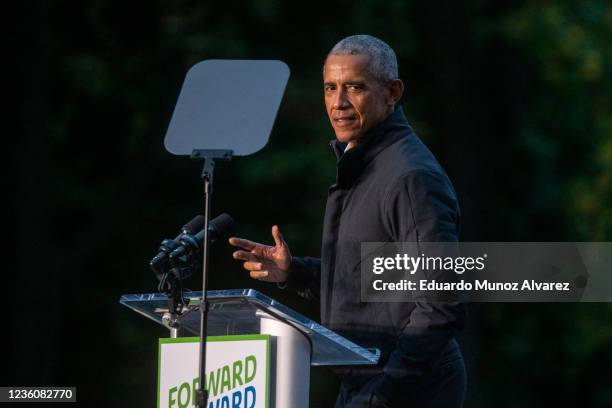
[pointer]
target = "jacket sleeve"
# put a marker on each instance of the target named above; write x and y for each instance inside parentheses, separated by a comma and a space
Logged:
(305, 277)
(422, 206)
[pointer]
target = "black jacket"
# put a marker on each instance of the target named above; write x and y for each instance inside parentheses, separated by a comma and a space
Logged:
(389, 188)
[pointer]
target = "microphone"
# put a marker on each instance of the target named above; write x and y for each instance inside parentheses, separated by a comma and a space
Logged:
(189, 243)
(168, 245)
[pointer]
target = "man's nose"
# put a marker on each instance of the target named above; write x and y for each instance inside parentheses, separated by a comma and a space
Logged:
(340, 99)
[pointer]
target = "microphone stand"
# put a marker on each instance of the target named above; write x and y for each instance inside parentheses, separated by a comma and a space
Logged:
(209, 157)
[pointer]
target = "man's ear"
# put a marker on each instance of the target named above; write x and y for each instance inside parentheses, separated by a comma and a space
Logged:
(396, 90)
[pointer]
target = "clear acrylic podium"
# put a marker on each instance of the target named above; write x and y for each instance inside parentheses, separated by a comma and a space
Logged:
(297, 344)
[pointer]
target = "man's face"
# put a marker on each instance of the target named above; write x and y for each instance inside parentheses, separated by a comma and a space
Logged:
(354, 98)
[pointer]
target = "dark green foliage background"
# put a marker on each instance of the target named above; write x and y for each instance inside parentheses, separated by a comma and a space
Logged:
(513, 97)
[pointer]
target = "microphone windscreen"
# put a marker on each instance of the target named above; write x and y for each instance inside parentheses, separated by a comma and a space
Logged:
(222, 224)
(195, 225)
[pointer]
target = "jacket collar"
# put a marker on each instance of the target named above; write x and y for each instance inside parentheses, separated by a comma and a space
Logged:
(352, 162)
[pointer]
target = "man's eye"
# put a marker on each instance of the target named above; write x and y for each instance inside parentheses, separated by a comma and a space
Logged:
(354, 88)
(329, 88)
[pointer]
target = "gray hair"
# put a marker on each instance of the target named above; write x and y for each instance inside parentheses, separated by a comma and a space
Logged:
(383, 61)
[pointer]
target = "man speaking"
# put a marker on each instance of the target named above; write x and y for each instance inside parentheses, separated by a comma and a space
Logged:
(389, 188)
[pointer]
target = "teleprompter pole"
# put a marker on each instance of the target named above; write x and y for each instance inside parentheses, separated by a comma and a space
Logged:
(209, 157)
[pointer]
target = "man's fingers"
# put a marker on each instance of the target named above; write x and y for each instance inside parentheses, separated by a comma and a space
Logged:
(243, 243)
(259, 274)
(245, 256)
(252, 266)
(278, 237)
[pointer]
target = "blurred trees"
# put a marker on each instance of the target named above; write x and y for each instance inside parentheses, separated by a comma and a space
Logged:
(562, 176)
(513, 98)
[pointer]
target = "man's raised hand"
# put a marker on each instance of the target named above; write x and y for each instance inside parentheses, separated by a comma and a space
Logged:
(264, 262)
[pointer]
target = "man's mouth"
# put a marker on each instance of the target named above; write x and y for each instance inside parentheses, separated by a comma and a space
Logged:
(345, 120)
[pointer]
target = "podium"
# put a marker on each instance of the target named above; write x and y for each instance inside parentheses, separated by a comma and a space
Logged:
(294, 342)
